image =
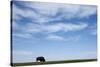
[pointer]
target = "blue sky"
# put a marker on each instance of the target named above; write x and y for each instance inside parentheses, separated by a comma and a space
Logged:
(56, 31)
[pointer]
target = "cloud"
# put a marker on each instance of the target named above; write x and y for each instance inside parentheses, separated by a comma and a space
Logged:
(87, 11)
(65, 27)
(51, 28)
(18, 13)
(51, 9)
(54, 37)
(62, 38)
(27, 30)
(22, 35)
(42, 12)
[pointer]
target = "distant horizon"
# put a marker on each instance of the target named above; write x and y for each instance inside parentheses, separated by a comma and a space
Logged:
(56, 31)
(94, 59)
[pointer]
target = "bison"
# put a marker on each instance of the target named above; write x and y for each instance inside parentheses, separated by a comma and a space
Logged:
(40, 59)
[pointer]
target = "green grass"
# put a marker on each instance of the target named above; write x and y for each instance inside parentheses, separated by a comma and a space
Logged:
(52, 62)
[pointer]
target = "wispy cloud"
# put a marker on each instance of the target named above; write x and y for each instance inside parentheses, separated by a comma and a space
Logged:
(42, 13)
(51, 28)
(22, 35)
(45, 12)
(55, 37)
(62, 38)
(79, 10)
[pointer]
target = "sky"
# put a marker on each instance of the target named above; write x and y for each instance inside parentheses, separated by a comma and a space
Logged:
(56, 31)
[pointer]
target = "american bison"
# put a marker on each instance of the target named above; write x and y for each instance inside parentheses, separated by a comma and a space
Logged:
(40, 59)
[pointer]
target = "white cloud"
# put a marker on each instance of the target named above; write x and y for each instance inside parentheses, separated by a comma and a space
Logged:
(22, 12)
(44, 12)
(62, 38)
(64, 27)
(22, 35)
(87, 11)
(51, 9)
(25, 31)
(54, 37)
(37, 18)
(48, 9)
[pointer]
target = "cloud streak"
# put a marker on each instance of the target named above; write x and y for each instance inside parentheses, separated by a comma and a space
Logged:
(22, 35)
(62, 38)
(45, 12)
(43, 16)
(64, 27)
(55, 37)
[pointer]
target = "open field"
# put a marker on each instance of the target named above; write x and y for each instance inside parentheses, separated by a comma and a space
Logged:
(52, 62)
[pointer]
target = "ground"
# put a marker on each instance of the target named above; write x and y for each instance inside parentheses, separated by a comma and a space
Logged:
(52, 62)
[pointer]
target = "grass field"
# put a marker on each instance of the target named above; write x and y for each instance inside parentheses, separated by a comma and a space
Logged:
(52, 62)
